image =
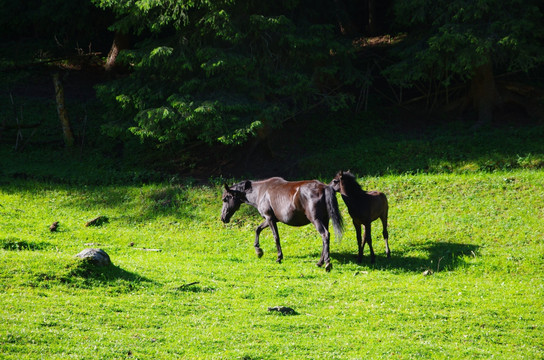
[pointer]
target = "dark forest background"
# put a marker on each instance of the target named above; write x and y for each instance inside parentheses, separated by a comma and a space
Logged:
(249, 88)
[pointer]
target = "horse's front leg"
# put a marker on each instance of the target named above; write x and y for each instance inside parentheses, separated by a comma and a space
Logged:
(274, 228)
(325, 252)
(360, 244)
(257, 246)
(368, 240)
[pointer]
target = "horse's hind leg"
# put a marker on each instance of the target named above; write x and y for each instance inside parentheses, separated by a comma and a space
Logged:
(368, 240)
(274, 228)
(385, 234)
(325, 252)
(257, 246)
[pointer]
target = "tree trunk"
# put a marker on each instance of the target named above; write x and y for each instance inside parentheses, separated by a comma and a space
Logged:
(120, 42)
(372, 26)
(484, 94)
(61, 110)
(344, 20)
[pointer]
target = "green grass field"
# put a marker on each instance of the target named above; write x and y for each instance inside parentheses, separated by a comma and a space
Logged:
(465, 280)
(206, 295)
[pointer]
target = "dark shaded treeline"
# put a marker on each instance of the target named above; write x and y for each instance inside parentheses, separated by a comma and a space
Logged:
(184, 82)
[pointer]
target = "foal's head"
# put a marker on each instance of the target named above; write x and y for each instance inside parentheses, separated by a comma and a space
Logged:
(343, 181)
(233, 197)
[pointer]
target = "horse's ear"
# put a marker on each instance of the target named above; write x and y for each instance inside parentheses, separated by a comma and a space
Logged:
(247, 185)
(226, 187)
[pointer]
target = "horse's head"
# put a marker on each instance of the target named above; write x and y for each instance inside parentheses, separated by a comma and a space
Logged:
(233, 197)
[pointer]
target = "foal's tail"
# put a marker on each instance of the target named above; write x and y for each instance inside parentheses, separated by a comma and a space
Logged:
(334, 212)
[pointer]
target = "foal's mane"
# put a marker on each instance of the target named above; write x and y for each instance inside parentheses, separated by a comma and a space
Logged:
(350, 183)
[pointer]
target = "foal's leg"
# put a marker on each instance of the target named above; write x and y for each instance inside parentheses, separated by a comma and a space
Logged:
(385, 234)
(257, 246)
(368, 240)
(325, 252)
(359, 241)
(274, 228)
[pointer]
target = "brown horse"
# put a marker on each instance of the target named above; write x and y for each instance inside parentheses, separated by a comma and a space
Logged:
(364, 207)
(295, 203)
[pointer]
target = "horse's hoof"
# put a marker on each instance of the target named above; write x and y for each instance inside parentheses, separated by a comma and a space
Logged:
(259, 252)
(328, 267)
(278, 261)
(319, 263)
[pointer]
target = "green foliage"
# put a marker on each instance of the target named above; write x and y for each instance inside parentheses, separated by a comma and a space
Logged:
(139, 16)
(219, 71)
(449, 39)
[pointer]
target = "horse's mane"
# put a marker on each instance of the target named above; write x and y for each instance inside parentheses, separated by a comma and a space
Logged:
(242, 187)
(350, 183)
(239, 186)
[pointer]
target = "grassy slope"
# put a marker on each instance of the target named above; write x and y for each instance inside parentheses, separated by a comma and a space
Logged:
(481, 234)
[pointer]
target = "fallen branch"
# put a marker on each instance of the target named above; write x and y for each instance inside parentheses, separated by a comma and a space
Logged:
(97, 221)
(54, 226)
(73, 58)
(184, 286)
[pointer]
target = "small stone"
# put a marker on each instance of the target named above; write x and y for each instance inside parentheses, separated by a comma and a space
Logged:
(96, 256)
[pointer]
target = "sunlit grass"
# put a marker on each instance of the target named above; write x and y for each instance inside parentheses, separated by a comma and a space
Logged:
(478, 236)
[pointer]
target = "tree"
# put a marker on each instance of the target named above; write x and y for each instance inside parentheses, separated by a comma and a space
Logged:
(121, 42)
(224, 71)
(61, 110)
(465, 40)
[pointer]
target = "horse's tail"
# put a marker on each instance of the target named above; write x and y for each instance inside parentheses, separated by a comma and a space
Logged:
(334, 212)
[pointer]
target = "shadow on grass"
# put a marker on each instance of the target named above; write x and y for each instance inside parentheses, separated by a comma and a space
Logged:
(193, 287)
(84, 274)
(402, 146)
(440, 256)
(14, 244)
